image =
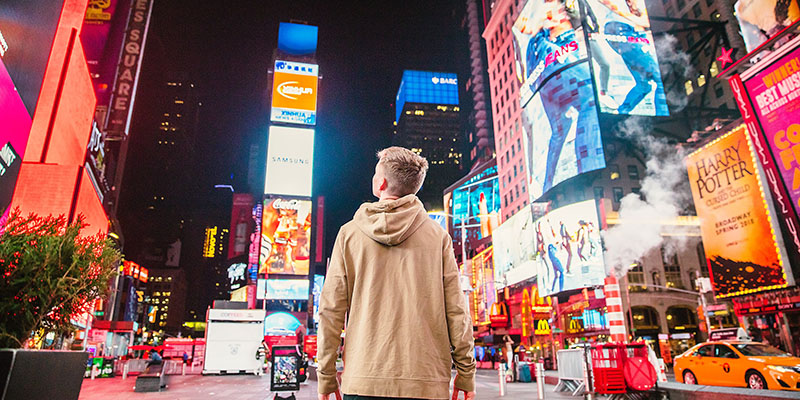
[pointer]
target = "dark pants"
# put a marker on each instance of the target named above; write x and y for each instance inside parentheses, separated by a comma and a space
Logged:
(357, 397)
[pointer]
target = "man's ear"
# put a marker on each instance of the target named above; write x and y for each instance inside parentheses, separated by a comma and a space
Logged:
(384, 184)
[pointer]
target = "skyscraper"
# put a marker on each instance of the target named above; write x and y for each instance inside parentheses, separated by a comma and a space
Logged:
(428, 121)
(479, 132)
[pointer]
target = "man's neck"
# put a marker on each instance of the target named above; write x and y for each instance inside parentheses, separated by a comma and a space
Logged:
(385, 196)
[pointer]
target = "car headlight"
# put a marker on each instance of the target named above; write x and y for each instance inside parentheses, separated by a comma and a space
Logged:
(783, 369)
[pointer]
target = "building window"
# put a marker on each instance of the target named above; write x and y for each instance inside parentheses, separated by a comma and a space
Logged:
(636, 190)
(701, 80)
(645, 318)
(701, 254)
(613, 170)
(714, 70)
(692, 279)
(689, 86)
(681, 4)
(709, 3)
(617, 194)
(656, 280)
(515, 171)
(598, 192)
(715, 15)
(672, 270)
(633, 172)
(718, 90)
(696, 10)
(636, 281)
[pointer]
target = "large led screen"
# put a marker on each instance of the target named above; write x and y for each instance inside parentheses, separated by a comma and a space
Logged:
(297, 39)
(285, 237)
(426, 87)
(475, 206)
(316, 293)
(16, 125)
(290, 161)
(761, 19)
(624, 56)
(569, 253)
(738, 231)
(294, 93)
(513, 249)
(287, 289)
(281, 324)
(559, 118)
(484, 293)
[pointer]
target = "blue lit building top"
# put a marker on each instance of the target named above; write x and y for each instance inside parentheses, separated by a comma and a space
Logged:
(426, 87)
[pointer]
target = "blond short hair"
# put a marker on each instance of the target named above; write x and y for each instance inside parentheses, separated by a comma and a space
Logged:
(405, 170)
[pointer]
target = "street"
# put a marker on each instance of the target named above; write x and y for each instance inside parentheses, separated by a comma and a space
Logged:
(249, 387)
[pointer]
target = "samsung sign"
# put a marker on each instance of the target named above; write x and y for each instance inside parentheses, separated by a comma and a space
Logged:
(290, 159)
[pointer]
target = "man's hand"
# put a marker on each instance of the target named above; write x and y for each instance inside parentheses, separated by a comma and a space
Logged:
(339, 396)
(467, 395)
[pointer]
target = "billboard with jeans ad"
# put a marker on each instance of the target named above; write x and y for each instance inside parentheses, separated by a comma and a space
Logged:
(559, 118)
(739, 232)
(761, 19)
(513, 249)
(568, 249)
(285, 237)
(624, 56)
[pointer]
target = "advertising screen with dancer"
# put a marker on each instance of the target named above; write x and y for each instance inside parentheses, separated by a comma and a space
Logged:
(624, 55)
(569, 254)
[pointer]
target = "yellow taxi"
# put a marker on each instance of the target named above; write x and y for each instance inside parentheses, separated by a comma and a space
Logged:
(738, 363)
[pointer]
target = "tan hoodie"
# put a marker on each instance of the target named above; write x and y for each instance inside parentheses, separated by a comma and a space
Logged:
(394, 274)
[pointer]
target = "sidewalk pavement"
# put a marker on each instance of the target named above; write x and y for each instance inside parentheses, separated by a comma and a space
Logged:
(249, 387)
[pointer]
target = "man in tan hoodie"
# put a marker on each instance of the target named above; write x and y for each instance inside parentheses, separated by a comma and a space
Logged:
(393, 278)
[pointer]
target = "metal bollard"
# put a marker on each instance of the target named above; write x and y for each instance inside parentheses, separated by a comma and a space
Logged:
(183, 369)
(540, 378)
(125, 370)
(501, 372)
(95, 370)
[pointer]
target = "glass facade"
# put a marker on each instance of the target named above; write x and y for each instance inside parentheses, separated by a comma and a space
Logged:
(426, 87)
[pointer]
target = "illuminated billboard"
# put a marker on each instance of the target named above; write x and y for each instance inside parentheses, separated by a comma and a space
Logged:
(240, 224)
(426, 87)
(761, 19)
(514, 250)
(483, 285)
(316, 293)
(237, 275)
(285, 236)
(287, 289)
(624, 55)
(739, 232)
(294, 93)
(297, 39)
(568, 249)
(475, 205)
(559, 118)
(281, 324)
(290, 161)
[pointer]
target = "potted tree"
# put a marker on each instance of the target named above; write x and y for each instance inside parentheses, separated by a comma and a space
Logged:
(49, 273)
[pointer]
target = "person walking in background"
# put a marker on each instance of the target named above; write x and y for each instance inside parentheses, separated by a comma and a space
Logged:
(393, 273)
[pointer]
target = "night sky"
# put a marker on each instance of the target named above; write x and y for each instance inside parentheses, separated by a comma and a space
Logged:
(226, 48)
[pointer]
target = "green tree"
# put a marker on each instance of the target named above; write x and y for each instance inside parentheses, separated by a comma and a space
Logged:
(48, 273)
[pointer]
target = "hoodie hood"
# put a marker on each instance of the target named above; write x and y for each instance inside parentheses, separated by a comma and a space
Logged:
(390, 222)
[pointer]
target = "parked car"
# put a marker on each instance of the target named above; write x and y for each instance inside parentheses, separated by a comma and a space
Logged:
(739, 364)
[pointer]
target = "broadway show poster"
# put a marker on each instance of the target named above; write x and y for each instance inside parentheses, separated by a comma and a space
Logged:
(737, 229)
(568, 250)
(775, 95)
(285, 237)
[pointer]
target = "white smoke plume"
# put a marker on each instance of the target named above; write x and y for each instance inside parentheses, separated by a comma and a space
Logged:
(664, 194)
(676, 66)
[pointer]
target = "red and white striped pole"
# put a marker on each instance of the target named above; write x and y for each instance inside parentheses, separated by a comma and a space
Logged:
(614, 315)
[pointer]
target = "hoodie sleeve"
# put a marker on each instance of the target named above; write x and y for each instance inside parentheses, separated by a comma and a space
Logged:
(333, 305)
(459, 324)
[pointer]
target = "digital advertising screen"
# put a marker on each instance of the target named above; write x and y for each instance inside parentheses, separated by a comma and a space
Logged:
(294, 93)
(280, 324)
(102, 36)
(739, 232)
(759, 20)
(484, 293)
(475, 205)
(290, 161)
(285, 237)
(237, 275)
(559, 118)
(568, 249)
(624, 55)
(426, 87)
(240, 224)
(287, 289)
(514, 249)
(297, 39)
(316, 292)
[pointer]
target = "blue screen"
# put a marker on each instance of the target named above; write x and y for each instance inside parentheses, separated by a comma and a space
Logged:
(426, 87)
(281, 324)
(296, 39)
(476, 205)
(287, 289)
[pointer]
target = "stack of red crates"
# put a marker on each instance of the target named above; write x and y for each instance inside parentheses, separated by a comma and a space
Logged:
(607, 364)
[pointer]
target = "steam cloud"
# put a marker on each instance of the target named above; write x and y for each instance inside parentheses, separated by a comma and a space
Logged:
(664, 192)
(676, 66)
